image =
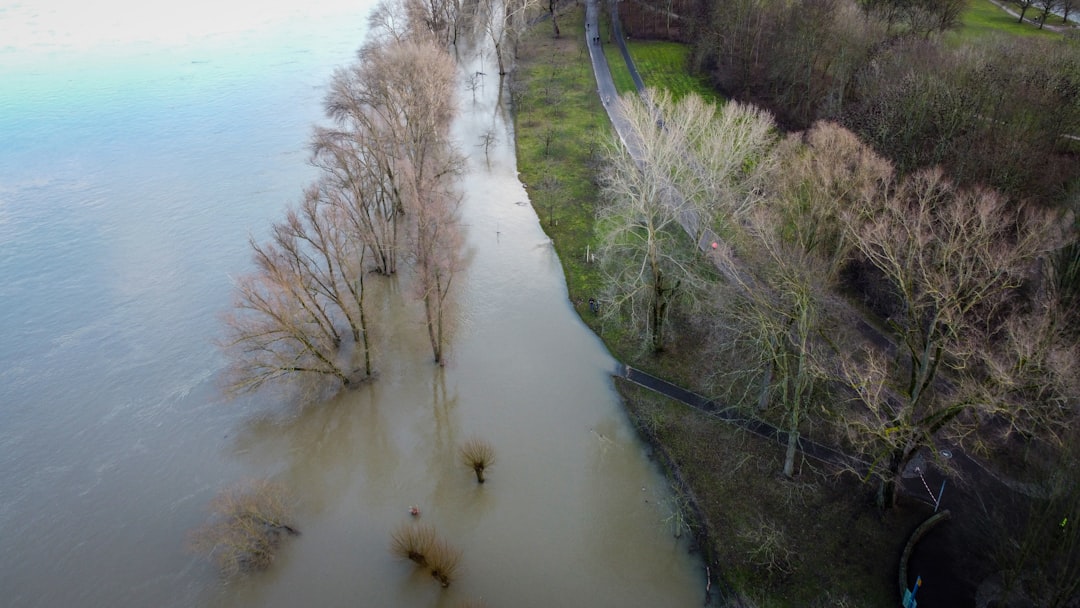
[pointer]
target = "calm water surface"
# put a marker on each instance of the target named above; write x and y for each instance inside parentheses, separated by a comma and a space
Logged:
(133, 167)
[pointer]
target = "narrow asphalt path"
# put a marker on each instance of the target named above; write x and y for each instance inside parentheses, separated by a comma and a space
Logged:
(817, 451)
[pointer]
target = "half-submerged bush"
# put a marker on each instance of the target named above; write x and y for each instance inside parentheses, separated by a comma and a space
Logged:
(444, 562)
(478, 455)
(248, 522)
(413, 542)
(420, 544)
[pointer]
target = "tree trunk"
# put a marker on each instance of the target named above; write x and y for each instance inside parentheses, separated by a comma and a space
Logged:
(789, 458)
(889, 491)
(436, 349)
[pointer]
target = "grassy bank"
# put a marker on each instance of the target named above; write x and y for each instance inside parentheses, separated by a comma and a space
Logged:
(984, 18)
(662, 64)
(814, 541)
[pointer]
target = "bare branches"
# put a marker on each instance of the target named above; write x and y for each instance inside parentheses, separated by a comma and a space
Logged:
(478, 455)
(956, 260)
(506, 23)
(390, 160)
(820, 173)
(686, 167)
(247, 526)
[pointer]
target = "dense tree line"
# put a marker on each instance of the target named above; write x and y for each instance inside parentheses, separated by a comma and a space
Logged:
(386, 194)
(992, 113)
(974, 350)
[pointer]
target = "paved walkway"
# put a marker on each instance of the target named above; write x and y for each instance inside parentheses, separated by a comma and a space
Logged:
(813, 449)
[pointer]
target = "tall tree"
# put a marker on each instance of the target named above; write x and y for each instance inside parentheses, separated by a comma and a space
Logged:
(507, 20)
(437, 251)
(1067, 7)
(308, 282)
(685, 168)
(648, 262)
(1047, 7)
(316, 239)
(1023, 5)
(357, 179)
(773, 327)
(397, 104)
(955, 261)
(820, 173)
(776, 328)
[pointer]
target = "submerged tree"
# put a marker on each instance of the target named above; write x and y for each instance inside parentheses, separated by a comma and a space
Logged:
(390, 160)
(289, 314)
(420, 544)
(478, 455)
(413, 542)
(507, 21)
(437, 250)
(356, 179)
(248, 523)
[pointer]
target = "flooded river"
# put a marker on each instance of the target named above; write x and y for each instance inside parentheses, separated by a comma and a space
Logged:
(132, 172)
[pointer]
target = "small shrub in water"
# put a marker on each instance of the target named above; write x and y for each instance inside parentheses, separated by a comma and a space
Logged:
(443, 561)
(413, 542)
(478, 455)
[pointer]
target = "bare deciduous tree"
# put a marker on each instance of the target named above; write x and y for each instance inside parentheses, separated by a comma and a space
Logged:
(389, 22)
(819, 173)
(316, 239)
(1067, 7)
(715, 158)
(477, 454)
(647, 259)
(507, 21)
(402, 95)
(955, 260)
(247, 526)
(308, 281)
(1023, 5)
(686, 167)
(1047, 7)
(357, 171)
(774, 327)
(488, 139)
(437, 251)
(393, 110)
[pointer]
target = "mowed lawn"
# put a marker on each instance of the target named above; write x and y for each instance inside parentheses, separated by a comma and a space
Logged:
(662, 65)
(984, 18)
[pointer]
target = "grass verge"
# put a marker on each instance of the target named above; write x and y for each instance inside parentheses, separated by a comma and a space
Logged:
(662, 64)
